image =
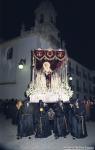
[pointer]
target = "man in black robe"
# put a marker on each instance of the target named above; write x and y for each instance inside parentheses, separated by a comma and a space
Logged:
(78, 124)
(25, 121)
(42, 126)
(60, 121)
(72, 119)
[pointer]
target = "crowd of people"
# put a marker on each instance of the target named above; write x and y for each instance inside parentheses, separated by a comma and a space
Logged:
(42, 120)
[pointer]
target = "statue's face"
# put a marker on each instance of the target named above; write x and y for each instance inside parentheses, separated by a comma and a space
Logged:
(46, 66)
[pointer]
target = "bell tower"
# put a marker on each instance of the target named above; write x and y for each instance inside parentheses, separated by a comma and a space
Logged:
(45, 13)
(45, 22)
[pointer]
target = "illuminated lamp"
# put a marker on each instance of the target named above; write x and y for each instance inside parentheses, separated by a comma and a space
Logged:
(70, 78)
(21, 64)
(41, 109)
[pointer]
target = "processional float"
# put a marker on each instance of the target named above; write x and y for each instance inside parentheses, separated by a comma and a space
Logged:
(49, 76)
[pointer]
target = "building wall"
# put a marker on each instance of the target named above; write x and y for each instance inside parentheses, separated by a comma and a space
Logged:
(14, 81)
(82, 83)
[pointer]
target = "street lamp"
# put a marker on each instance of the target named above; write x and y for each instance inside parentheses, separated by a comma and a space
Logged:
(21, 64)
(70, 78)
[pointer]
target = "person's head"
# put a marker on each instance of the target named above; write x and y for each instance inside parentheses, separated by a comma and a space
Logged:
(40, 102)
(77, 103)
(60, 103)
(19, 104)
(50, 109)
(71, 102)
(27, 100)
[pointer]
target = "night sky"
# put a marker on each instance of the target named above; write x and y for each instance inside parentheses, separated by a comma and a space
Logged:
(75, 20)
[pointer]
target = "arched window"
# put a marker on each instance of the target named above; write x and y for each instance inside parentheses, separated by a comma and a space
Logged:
(41, 20)
(10, 53)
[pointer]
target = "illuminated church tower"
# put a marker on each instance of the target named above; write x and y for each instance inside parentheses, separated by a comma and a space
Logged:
(45, 23)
